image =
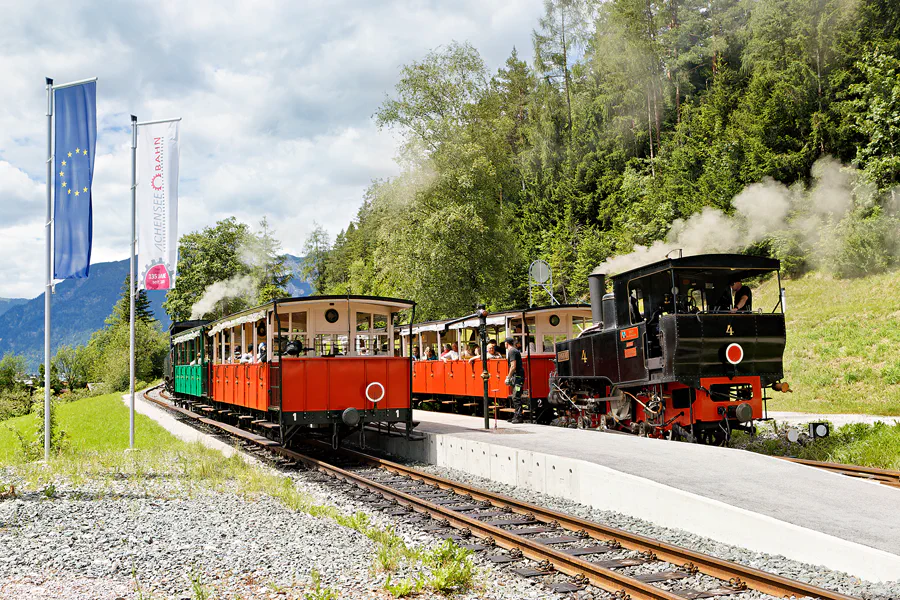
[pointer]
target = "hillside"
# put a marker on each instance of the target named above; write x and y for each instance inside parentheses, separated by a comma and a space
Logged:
(79, 307)
(8, 303)
(843, 344)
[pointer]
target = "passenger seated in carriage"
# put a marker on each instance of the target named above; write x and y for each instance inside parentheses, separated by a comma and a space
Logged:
(449, 353)
(470, 351)
(429, 353)
(247, 357)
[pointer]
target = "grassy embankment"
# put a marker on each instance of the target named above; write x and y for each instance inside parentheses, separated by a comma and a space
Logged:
(96, 435)
(842, 356)
(843, 344)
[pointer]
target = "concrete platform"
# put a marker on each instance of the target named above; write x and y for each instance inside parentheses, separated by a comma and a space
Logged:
(733, 496)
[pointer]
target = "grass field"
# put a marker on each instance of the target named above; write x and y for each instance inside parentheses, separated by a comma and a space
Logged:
(97, 424)
(843, 343)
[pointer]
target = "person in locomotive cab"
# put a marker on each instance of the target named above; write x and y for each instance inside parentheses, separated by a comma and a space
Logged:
(515, 379)
(743, 297)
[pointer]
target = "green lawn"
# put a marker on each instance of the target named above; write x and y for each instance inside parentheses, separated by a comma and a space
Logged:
(843, 344)
(97, 424)
(875, 445)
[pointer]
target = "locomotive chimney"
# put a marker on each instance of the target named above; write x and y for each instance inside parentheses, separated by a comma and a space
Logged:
(597, 287)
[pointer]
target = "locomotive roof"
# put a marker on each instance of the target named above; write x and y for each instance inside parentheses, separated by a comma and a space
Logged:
(736, 264)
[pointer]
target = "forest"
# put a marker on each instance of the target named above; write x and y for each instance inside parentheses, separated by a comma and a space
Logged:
(758, 126)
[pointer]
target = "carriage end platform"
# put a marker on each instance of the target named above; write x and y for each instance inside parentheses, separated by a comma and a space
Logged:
(733, 496)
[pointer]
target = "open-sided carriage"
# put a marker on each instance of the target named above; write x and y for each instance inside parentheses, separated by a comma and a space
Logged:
(458, 384)
(322, 364)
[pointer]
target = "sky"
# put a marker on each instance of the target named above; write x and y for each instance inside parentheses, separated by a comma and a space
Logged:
(276, 98)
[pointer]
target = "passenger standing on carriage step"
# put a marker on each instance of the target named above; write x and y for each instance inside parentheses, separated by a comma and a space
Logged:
(743, 297)
(515, 379)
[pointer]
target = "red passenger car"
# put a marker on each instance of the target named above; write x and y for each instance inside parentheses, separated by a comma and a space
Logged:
(300, 364)
(457, 384)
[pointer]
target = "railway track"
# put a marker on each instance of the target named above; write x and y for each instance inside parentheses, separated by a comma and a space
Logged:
(481, 520)
(883, 476)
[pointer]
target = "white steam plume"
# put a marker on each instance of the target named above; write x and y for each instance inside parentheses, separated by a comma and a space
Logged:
(760, 210)
(238, 286)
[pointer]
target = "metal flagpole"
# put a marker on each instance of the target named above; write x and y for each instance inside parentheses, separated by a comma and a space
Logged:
(48, 289)
(132, 277)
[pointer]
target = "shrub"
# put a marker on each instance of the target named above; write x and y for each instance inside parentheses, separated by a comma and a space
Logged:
(403, 587)
(787, 246)
(14, 403)
(863, 245)
(452, 569)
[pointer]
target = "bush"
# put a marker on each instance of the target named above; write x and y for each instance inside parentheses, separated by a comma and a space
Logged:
(787, 246)
(452, 569)
(14, 403)
(863, 245)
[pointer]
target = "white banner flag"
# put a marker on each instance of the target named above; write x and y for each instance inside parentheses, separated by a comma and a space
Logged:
(157, 205)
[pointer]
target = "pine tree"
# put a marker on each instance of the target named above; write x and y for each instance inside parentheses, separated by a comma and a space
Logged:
(270, 270)
(122, 310)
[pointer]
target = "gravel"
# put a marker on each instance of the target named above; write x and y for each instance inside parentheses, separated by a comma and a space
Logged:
(159, 537)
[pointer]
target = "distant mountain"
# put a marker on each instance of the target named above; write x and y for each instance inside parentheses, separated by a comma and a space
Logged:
(79, 308)
(297, 287)
(8, 303)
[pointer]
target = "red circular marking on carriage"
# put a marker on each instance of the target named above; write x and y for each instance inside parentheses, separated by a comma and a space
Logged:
(734, 353)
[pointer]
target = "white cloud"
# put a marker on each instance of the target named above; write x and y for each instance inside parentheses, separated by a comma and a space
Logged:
(276, 99)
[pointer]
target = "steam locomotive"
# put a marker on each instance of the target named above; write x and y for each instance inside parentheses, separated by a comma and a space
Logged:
(668, 356)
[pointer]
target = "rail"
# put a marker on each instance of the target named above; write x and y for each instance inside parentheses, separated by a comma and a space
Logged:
(884, 476)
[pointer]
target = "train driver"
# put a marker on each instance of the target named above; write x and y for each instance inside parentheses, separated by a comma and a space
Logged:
(743, 297)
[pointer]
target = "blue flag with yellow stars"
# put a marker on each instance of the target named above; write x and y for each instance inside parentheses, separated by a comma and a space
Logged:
(76, 137)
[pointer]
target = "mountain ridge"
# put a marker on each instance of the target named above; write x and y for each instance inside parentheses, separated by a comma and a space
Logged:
(79, 307)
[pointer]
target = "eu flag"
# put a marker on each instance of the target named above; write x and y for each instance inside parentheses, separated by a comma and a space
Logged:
(76, 137)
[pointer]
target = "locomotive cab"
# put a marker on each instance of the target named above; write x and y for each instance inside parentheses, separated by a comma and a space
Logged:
(673, 351)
